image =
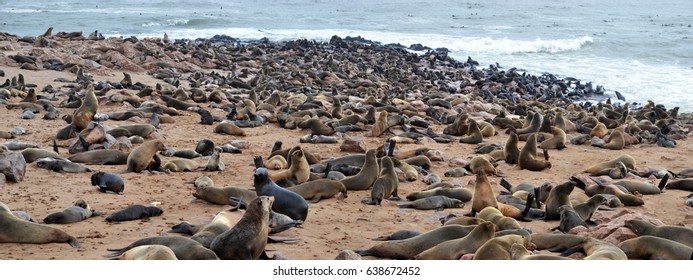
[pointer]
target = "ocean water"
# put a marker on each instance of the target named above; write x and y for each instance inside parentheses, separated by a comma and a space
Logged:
(642, 49)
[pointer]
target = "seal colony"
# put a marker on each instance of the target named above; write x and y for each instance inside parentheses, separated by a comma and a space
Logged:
(220, 103)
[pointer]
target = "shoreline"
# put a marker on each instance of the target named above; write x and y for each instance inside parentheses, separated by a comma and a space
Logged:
(295, 70)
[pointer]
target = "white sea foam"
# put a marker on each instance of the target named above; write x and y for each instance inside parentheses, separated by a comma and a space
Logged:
(168, 22)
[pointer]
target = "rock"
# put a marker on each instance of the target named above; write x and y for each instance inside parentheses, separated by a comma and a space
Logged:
(467, 257)
(348, 255)
(279, 257)
(596, 141)
(91, 64)
(352, 145)
(614, 230)
(435, 155)
(457, 162)
(578, 230)
(13, 166)
(619, 235)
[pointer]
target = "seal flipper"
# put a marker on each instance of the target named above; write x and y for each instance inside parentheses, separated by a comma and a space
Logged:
(271, 239)
(504, 183)
(537, 191)
(546, 154)
(368, 252)
(73, 242)
(328, 168)
(237, 203)
(391, 148)
(405, 206)
(55, 147)
(258, 162)
(570, 251)
(663, 182)
(315, 199)
(369, 201)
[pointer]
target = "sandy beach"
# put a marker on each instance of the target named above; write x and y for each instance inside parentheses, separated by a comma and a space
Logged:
(333, 224)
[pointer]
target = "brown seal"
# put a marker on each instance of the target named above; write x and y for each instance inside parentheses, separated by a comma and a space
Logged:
(676, 233)
(681, 184)
(555, 242)
(599, 130)
(229, 129)
(299, 170)
(276, 162)
(181, 165)
(380, 125)
(473, 133)
(460, 193)
(597, 250)
(511, 151)
(139, 158)
(483, 194)
(495, 216)
(148, 252)
(15, 230)
(184, 248)
(556, 142)
(616, 141)
(643, 188)
(607, 188)
(206, 234)
(437, 202)
(627, 160)
(528, 156)
(214, 163)
(316, 127)
(569, 219)
(455, 248)
(482, 162)
(386, 185)
(519, 252)
(77, 212)
(655, 248)
(398, 235)
(410, 247)
(498, 248)
(247, 239)
(85, 113)
(33, 154)
(365, 178)
(316, 190)
(205, 190)
(558, 196)
(587, 209)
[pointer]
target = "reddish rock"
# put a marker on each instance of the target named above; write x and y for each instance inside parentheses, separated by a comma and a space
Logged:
(435, 155)
(457, 162)
(348, 255)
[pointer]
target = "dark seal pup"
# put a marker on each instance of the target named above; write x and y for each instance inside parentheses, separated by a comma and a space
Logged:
(134, 212)
(108, 182)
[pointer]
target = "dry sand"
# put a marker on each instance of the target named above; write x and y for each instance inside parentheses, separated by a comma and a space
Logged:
(332, 224)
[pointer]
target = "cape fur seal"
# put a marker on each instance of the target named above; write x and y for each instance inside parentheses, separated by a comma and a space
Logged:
(247, 239)
(184, 248)
(455, 248)
(15, 230)
(77, 212)
(410, 247)
(365, 178)
(285, 201)
(134, 212)
(139, 159)
(108, 182)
